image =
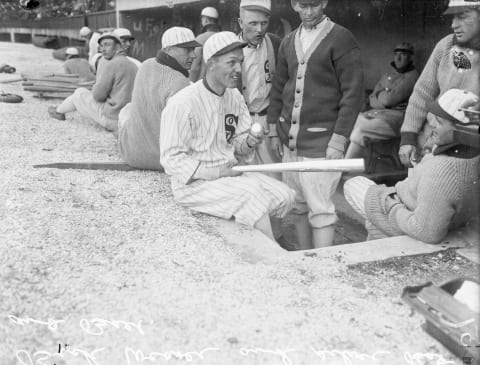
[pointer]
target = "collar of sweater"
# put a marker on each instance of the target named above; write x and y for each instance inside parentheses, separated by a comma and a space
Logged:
(456, 150)
(403, 70)
(167, 60)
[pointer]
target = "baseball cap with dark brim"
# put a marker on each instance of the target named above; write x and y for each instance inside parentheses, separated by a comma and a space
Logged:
(435, 108)
(459, 6)
(308, 2)
(190, 44)
(230, 47)
(109, 36)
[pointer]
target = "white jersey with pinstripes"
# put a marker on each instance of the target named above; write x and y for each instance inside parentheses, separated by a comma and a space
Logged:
(201, 130)
(200, 133)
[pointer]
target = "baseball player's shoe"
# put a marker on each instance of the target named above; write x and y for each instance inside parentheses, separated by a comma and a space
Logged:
(52, 110)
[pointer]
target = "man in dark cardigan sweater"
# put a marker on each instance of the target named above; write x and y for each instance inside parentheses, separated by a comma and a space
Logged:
(316, 96)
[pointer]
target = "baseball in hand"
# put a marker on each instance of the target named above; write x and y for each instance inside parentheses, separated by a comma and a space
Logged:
(256, 130)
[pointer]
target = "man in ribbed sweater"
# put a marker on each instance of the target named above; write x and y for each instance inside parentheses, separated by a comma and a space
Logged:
(111, 92)
(454, 63)
(157, 80)
(440, 194)
(316, 96)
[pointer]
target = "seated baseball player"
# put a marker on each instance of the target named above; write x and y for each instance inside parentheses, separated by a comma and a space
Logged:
(387, 102)
(77, 66)
(157, 80)
(112, 89)
(205, 131)
(440, 194)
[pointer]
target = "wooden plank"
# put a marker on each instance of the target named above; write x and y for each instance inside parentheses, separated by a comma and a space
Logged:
(50, 84)
(47, 88)
(52, 95)
(53, 79)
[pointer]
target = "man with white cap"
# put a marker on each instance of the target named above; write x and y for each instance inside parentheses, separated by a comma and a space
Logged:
(112, 89)
(205, 131)
(454, 63)
(77, 66)
(441, 192)
(127, 39)
(210, 26)
(157, 80)
(91, 38)
(316, 95)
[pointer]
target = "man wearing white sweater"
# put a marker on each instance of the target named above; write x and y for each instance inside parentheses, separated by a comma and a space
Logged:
(111, 92)
(157, 80)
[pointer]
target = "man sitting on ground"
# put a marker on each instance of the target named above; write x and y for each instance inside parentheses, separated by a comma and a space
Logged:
(77, 66)
(112, 89)
(388, 102)
(441, 192)
(157, 80)
(205, 131)
(127, 39)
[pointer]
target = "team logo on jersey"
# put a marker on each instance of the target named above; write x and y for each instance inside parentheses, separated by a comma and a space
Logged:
(268, 77)
(231, 122)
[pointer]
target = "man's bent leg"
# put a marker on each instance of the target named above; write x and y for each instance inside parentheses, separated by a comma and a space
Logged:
(67, 105)
(355, 190)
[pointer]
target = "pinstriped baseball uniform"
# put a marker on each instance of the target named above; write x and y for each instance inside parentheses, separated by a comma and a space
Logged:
(201, 132)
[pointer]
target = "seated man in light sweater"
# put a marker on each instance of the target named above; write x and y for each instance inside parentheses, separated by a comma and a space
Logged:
(440, 194)
(112, 89)
(387, 101)
(157, 80)
(454, 63)
(205, 131)
(127, 39)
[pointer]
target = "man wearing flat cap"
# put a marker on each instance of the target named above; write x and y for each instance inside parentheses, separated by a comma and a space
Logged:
(387, 102)
(316, 96)
(454, 63)
(112, 89)
(205, 131)
(157, 81)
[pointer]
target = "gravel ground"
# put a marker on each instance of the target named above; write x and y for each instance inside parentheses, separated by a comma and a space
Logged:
(107, 264)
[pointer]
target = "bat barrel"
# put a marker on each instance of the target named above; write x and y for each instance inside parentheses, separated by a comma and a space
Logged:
(350, 165)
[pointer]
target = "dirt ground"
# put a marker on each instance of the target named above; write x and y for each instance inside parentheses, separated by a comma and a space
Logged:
(102, 267)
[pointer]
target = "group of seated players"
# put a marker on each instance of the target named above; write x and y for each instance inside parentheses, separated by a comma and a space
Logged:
(306, 91)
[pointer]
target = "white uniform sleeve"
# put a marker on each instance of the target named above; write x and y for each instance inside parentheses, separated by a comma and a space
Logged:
(244, 123)
(176, 131)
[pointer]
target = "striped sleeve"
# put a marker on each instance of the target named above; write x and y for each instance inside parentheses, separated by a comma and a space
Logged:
(176, 131)
(244, 123)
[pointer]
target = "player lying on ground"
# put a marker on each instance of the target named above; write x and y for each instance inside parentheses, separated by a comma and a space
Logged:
(205, 131)
(440, 194)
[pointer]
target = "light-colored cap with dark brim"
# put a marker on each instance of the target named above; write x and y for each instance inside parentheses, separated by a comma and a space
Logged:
(459, 6)
(221, 43)
(109, 35)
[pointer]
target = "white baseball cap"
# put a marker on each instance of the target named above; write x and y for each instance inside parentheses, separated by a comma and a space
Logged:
(210, 12)
(459, 6)
(72, 51)
(123, 32)
(260, 5)
(449, 106)
(85, 31)
(179, 37)
(221, 43)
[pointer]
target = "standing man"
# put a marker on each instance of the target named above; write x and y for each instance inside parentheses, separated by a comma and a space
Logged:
(91, 39)
(112, 89)
(205, 131)
(454, 63)
(210, 26)
(127, 39)
(387, 101)
(157, 80)
(316, 96)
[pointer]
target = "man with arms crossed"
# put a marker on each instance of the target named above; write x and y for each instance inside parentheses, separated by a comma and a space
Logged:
(205, 132)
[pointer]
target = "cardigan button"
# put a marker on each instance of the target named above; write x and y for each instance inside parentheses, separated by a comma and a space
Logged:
(303, 62)
(299, 91)
(292, 149)
(294, 122)
(297, 105)
(290, 137)
(299, 77)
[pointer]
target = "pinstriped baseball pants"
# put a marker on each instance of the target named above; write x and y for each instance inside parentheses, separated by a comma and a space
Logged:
(247, 197)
